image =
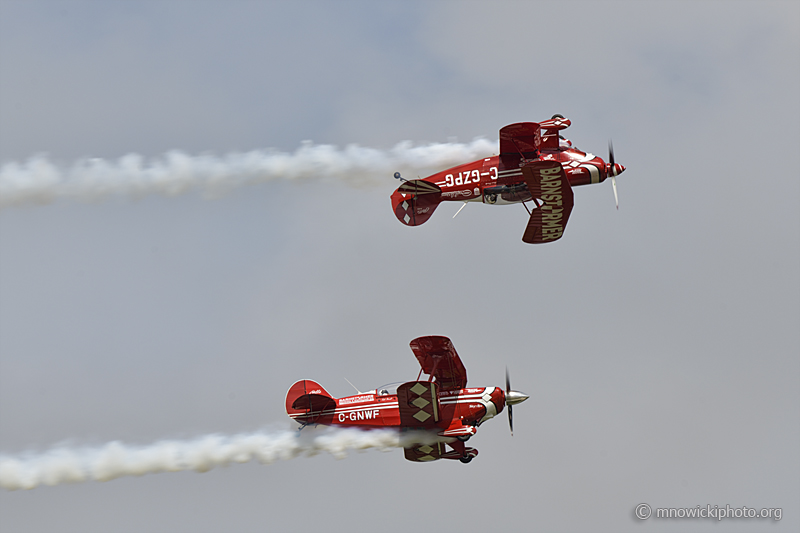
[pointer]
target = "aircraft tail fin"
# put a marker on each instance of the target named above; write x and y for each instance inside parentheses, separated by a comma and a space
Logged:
(415, 201)
(308, 402)
(550, 137)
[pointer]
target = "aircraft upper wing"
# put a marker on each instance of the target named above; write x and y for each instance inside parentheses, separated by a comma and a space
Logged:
(438, 357)
(518, 142)
(548, 182)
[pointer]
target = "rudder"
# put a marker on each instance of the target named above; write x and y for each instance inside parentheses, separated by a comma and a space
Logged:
(415, 201)
(308, 402)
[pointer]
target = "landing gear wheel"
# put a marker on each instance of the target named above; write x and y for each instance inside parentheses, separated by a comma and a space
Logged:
(464, 438)
(556, 116)
(466, 459)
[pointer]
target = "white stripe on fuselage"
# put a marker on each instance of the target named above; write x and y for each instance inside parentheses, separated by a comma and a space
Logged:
(387, 405)
(348, 409)
(447, 400)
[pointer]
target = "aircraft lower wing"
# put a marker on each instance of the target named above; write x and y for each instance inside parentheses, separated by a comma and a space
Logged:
(548, 183)
(423, 453)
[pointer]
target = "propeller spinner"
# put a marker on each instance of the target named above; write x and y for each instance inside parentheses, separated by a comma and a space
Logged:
(512, 397)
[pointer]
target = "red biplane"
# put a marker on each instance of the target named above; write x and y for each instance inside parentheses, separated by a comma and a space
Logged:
(442, 404)
(535, 164)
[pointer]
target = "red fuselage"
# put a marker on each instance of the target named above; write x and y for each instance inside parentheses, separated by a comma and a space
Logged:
(463, 408)
(478, 181)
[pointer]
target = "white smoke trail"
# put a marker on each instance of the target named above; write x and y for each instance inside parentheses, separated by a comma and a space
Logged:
(115, 459)
(38, 180)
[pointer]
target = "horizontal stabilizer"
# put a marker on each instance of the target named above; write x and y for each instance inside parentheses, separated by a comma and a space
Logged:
(313, 403)
(547, 182)
(417, 187)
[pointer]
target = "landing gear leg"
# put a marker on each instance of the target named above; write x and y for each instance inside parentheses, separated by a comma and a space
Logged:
(458, 446)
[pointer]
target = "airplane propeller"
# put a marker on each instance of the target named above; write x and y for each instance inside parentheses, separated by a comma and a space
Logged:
(512, 397)
(614, 170)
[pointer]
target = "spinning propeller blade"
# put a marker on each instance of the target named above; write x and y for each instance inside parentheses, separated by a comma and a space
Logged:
(614, 185)
(510, 411)
(512, 397)
(613, 171)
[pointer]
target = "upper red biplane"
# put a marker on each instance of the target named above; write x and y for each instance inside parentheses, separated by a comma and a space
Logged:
(442, 404)
(535, 163)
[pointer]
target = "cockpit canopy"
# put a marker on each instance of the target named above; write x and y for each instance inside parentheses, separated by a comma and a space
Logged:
(390, 389)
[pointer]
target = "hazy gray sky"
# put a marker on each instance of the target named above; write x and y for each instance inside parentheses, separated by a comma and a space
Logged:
(659, 343)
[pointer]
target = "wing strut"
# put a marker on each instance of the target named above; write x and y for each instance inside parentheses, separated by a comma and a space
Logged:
(535, 201)
(462, 207)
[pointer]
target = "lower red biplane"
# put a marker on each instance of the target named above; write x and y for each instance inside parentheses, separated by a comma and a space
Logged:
(535, 164)
(442, 404)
